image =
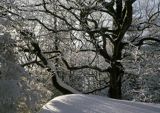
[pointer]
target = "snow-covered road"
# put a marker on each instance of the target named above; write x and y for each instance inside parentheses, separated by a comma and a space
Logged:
(79, 103)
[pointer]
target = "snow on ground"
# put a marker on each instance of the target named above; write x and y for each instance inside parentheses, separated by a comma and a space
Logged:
(79, 103)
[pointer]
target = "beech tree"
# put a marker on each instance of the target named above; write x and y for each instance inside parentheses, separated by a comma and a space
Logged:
(99, 33)
(102, 24)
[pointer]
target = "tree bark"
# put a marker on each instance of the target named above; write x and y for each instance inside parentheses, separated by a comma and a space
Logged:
(116, 73)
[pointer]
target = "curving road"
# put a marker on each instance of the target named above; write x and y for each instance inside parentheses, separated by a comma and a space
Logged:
(79, 103)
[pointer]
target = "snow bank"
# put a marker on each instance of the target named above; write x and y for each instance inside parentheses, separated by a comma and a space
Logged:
(79, 103)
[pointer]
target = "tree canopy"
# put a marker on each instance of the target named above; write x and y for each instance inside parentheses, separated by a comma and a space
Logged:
(104, 47)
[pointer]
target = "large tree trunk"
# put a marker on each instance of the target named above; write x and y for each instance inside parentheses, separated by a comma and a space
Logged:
(116, 72)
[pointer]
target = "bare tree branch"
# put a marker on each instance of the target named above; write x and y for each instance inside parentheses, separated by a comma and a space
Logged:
(98, 89)
(141, 42)
(83, 67)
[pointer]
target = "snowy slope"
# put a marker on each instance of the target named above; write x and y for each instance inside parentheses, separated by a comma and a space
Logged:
(79, 103)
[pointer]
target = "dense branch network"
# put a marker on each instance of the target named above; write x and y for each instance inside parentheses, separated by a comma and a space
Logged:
(101, 24)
